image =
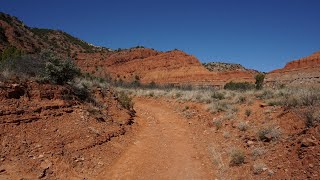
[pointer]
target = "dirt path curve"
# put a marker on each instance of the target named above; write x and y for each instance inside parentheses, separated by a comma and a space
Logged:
(163, 148)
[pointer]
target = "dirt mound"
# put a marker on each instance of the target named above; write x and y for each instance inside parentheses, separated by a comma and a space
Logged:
(302, 71)
(47, 132)
(172, 67)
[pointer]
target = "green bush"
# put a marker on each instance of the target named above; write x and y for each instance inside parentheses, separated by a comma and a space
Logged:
(239, 86)
(10, 52)
(59, 71)
(3, 37)
(312, 118)
(125, 101)
(259, 80)
(217, 95)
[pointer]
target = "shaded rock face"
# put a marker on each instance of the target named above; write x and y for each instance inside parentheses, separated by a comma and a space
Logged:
(173, 67)
(303, 71)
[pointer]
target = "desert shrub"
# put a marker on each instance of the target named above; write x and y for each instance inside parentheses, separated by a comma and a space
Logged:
(152, 85)
(265, 94)
(257, 152)
(26, 66)
(59, 71)
(240, 86)
(229, 115)
(6, 18)
(312, 117)
(237, 157)
(248, 112)
(218, 124)
(81, 91)
(3, 37)
(125, 101)
(226, 134)
(217, 95)
(178, 95)
(242, 126)
(269, 134)
(241, 99)
(275, 102)
(259, 80)
(258, 168)
(10, 53)
(219, 106)
(301, 97)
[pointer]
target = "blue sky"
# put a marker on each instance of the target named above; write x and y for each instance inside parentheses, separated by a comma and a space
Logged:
(259, 34)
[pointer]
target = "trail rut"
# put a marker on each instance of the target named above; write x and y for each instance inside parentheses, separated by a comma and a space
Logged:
(162, 150)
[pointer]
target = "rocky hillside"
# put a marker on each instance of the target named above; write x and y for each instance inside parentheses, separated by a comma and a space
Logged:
(222, 67)
(148, 65)
(226, 67)
(172, 67)
(303, 71)
(46, 131)
(14, 32)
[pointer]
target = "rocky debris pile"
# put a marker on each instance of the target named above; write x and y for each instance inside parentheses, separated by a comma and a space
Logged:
(46, 131)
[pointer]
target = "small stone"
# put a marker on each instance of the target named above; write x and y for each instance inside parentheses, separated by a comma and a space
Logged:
(307, 142)
(2, 159)
(263, 105)
(46, 164)
(270, 173)
(40, 156)
(250, 142)
(2, 170)
(286, 170)
(311, 165)
(268, 137)
(264, 169)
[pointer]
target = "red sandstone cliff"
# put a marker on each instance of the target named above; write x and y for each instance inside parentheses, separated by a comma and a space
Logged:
(173, 67)
(303, 71)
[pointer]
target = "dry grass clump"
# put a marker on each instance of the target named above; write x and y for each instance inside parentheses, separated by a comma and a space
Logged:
(264, 94)
(312, 117)
(295, 97)
(248, 112)
(218, 95)
(258, 168)
(237, 157)
(241, 99)
(257, 152)
(269, 133)
(243, 126)
(226, 134)
(125, 100)
(220, 106)
(218, 124)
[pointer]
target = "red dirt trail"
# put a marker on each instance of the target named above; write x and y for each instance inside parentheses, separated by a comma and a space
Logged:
(163, 148)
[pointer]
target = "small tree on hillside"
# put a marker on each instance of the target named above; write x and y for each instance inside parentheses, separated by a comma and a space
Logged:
(259, 80)
(59, 71)
(10, 52)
